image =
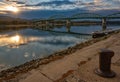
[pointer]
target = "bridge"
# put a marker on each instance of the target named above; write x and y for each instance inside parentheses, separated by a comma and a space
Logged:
(67, 21)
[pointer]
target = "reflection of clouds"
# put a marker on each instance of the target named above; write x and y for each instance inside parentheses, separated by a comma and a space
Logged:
(26, 55)
(7, 50)
(38, 44)
(17, 40)
(61, 40)
(33, 54)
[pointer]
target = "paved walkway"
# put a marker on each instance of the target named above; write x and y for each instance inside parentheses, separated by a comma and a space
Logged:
(79, 66)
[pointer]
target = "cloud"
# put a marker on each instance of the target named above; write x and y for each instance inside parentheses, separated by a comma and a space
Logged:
(92, 5)
(89, 4)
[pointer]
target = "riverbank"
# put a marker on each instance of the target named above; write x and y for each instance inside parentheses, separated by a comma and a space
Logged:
(16, 26)
(50, 64)
(86, 72)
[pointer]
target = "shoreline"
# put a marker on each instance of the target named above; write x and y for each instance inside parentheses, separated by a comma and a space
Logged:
(13, 72)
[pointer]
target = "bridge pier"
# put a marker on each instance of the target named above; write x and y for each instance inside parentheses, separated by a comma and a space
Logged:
(68, 25)
(38, 23)
(52, 23)
(41, 25)
(47, 25)
(104, 24)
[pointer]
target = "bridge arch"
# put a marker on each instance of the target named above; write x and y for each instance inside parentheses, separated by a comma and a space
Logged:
(58, 16)
(114, 15)
(86, 15)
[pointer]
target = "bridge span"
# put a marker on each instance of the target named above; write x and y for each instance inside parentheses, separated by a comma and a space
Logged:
(59, 20)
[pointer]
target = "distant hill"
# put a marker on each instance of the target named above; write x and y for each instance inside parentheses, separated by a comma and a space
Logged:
(11, 20)
(38, 14)
(3, 18)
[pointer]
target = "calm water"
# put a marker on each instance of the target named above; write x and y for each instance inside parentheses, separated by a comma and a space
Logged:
(18, 47)
(86, 29)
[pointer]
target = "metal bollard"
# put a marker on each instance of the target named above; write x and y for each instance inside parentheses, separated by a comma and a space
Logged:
(104, 69)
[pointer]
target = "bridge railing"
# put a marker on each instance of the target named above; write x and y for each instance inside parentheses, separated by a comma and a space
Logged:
(81, 16)
(113, 16)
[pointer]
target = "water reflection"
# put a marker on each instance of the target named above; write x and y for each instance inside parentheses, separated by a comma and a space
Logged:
(16, 40)
(18, 47)
(85, 29)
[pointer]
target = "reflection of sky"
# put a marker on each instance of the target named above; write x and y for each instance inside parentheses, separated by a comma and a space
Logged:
(15, 49)
(86, 4)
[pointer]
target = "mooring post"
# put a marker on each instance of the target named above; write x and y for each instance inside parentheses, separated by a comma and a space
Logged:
(68, 25)
(104, 24)
(104, 69)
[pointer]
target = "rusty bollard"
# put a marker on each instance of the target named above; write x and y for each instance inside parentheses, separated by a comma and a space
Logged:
(104, 69)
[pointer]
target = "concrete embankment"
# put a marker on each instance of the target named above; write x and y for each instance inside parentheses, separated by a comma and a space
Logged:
(66, 65)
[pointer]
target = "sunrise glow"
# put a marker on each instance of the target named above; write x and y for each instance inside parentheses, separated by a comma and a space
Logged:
(12, 9)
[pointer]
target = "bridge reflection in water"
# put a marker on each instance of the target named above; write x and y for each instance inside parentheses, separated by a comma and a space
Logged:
(15, 40)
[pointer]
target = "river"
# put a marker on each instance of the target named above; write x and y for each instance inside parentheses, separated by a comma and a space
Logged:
(20, 46)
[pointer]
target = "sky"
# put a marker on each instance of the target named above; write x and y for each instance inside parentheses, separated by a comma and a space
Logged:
(17, 6)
